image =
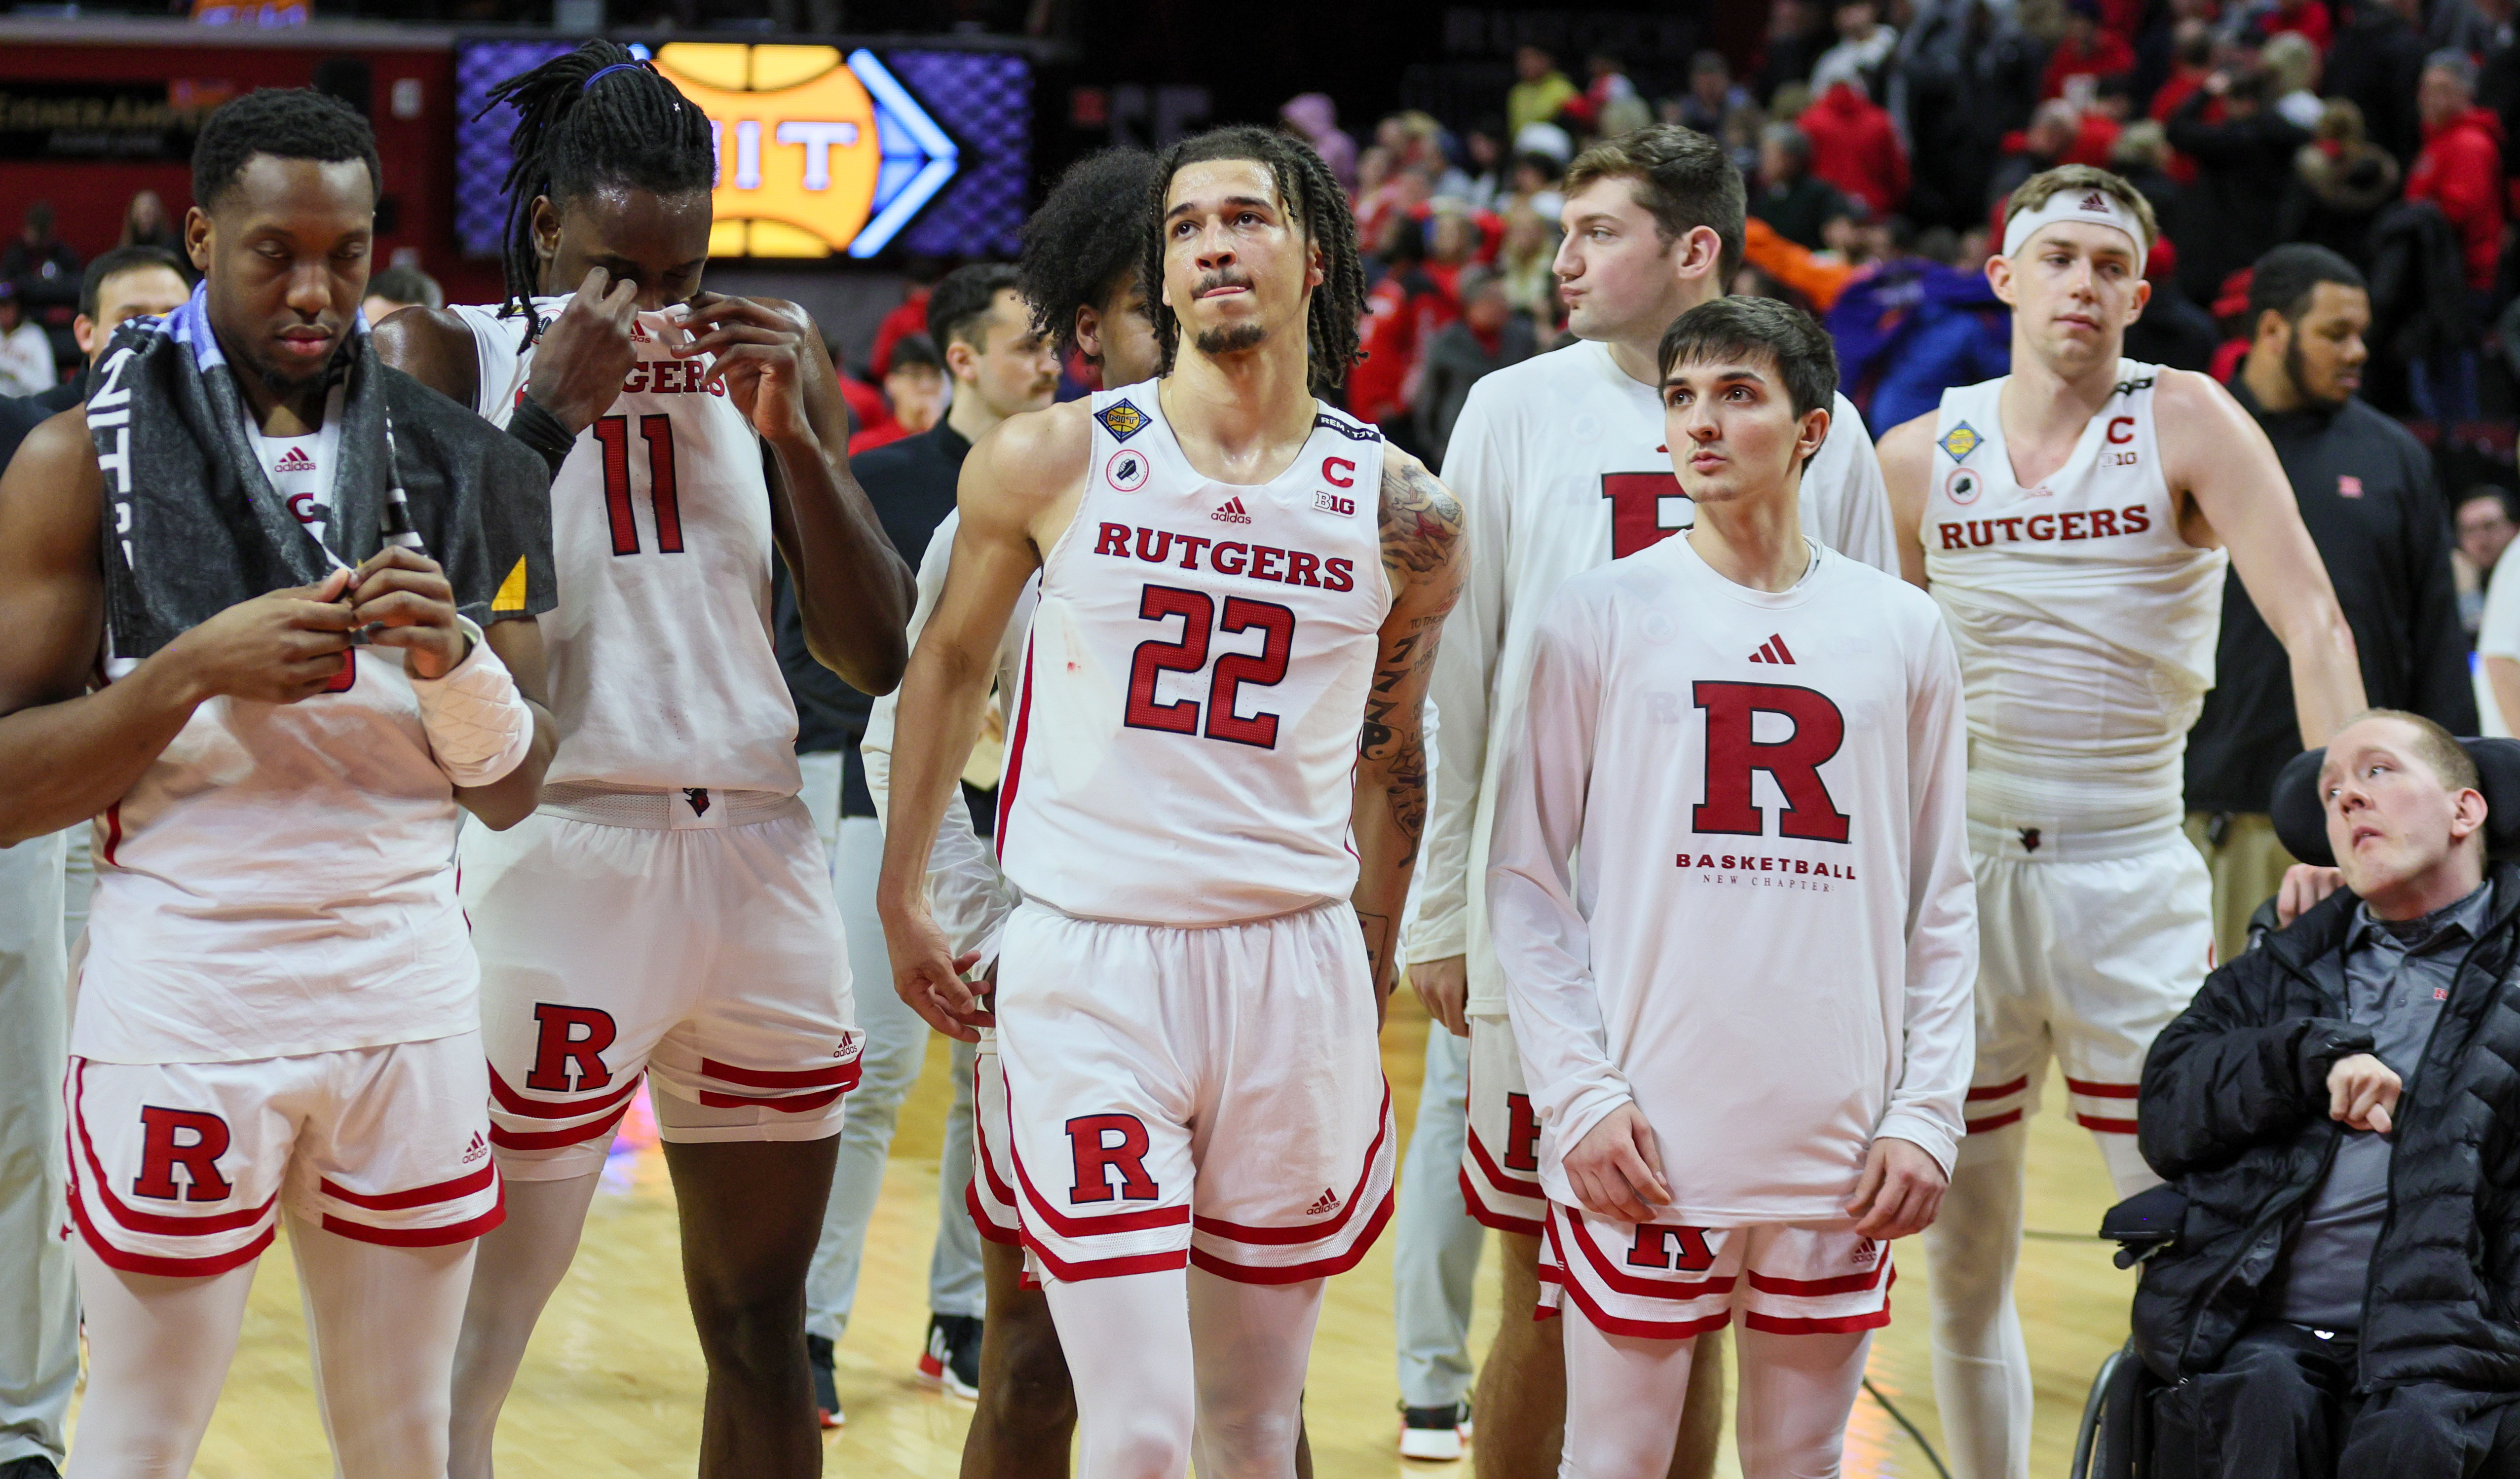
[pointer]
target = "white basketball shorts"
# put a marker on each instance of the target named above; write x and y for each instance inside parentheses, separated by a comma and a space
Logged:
(1665, 1283)
(709, 957)
(1211, 1097)
(991, 1194)
(2085, 961)
(178, 1169)
(1501, 1157)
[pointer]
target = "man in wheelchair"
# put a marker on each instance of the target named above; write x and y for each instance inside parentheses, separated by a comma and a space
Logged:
(2340, 1108)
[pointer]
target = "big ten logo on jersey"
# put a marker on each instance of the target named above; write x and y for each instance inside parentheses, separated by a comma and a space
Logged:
(186, 1139)
(1658, 1246)
(1645, 509)
(1108, 1153)
(570, 1042)
(1338, 473)
(1785, 732)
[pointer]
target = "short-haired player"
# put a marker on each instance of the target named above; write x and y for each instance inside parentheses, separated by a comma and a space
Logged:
(2075, 520)
(1713, 950)
(668, 911)
(272, 700)
(1215, 775)
(1562, 466)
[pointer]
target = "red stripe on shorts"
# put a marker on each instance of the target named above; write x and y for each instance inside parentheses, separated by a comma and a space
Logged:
(1846, 1324)
(1998, 1091)
(836, 1076)
(1281, 1274)
(1994, 1122)
(1648, 1330)
(1105, 1268)
(1091, 1227)
(1851, 1283)
(418, 1196)
(552, 1139)
(422, 1237)
(518, 1104)
(1015, 752)
(985, 1225)
(2091, 1089)
(1487, 1217)
(1620, 1278)
(166, 1268)
(795, 1103)
(2105, 1125)
(1217, 1227)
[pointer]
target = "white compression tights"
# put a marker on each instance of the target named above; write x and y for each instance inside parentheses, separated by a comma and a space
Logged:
(1624, 1395)
(521, 1263)
(381, 1324)
(1981, 1367)
(1168, 1362)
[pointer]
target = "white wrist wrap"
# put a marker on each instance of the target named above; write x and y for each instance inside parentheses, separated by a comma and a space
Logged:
(477, 722)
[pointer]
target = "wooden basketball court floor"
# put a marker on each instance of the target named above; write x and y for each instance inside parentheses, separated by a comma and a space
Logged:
(611, 1386)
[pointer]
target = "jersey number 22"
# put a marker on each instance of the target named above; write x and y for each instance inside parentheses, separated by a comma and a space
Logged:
(1200, 616)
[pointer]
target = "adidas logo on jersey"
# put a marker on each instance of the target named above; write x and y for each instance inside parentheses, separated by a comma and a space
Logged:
(1328, 1202)
(294, 460)
(1772, 650)
(1232, 511)
(476, 1150)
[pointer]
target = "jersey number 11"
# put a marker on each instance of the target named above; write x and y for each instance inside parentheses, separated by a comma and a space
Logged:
(612, 433)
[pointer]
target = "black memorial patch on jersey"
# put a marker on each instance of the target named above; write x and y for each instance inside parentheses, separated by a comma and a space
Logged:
(1348, 429)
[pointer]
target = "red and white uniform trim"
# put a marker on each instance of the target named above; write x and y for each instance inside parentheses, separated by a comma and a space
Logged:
(1674, 1282)
(181, 1169)
(1500, 1155)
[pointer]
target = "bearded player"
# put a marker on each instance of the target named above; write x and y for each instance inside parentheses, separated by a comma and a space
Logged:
(1560, 464)
(1216, 776)
(2074, 521)
(1812, 958)
(668, 909)
(1079, 272)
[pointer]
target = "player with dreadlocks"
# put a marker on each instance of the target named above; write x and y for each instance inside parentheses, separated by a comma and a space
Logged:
(1240, 590)
(668, 909)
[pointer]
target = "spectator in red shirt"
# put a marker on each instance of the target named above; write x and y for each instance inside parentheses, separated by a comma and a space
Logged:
(910, 317)
(2306, 18)
(2461, 169)
(915, 385)
(2086, 51)
(1855, 147)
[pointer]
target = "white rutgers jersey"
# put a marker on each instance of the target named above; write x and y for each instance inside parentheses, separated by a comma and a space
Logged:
(280, 881)
(1561, 466)
(2086, 623)
(1184, 741)
(1767, 924)
(662, 669)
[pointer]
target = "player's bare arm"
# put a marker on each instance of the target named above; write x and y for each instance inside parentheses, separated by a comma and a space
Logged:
(1019, 487)
(2233, 492)
(66, 754)
(854, 592)
(1425, 559)
(1907, 467)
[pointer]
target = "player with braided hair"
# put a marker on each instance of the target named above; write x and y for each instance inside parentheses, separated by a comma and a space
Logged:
(1239, 592)
(668, 909)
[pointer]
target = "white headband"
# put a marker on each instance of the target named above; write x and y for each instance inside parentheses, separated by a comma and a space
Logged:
(2091, 205)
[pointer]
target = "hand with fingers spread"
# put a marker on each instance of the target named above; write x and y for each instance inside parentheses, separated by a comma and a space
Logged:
(2362, 1092)
(1900, 1191)
(586, 353)
(405, 595)
(928, 976)
(1616, 1168)
(763, 354)
(276, 648)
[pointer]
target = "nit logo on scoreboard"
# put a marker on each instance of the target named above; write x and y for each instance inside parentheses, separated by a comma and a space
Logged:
(816, 154)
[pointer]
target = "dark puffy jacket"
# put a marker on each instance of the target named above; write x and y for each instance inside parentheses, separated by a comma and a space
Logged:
(2234, 1114)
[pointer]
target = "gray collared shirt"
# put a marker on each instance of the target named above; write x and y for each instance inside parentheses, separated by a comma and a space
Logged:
(2396, 978)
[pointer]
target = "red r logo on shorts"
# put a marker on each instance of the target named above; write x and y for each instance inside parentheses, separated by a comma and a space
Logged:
(558, 1044)
(162, 1152)
(1521, 1134)
(1653, 1249)
(1097, 1154)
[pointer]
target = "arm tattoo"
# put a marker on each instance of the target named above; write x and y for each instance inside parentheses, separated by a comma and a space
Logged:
(1421, 519)
(1421, 525)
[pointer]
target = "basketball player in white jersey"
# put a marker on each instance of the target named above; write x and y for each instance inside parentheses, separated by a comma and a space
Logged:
(1215, 775)
(668, 909)
(1560, 464)
(1813, 960)
(277, 1009)
(2074, 521)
